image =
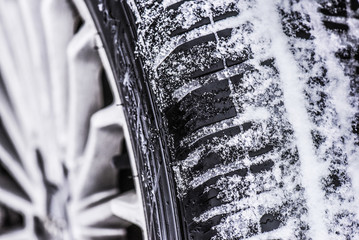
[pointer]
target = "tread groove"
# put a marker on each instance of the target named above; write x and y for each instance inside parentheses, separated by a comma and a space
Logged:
(261, 151)
(190, 44)
(183, 152)
(186, 115)
(198, 24)
(340, 27)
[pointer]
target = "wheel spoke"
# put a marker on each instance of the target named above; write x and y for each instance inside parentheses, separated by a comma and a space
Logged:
(7, 144)
(95, 169)
(22, 234)
(10, 123)
(16, 72)
(40, 80)
(58, 17)
(30, 12)
(101, 233)
(84, 85)
(16, 160)
(15, 65)
(127, 207)
(100, 215)
(15, 170)
(13, 197)
(96, 199)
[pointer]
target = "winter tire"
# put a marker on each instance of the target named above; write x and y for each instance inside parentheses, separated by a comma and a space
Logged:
(240, 118)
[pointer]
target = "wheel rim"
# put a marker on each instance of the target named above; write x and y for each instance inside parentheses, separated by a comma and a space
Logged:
(64, 158)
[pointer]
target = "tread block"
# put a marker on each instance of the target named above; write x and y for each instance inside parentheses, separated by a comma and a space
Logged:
(199, 201)
(208, 162)
(344, 53)
(269, 62)
(182, 153)
(225, 15)
(354, 5)
(260, 167)
(355, 124)
(177, 5)
(237, 79)
(203, 230)
(269, 222)
(335, 180)
(200, 23)
(218, 66)
(190, 44)
(356, 54)
(225, 33)
(206, 105)
(241, 59)
(304, 34)
(340, 27)
(294, 25)
(246, 126)
(231, 132)
(261, 151)
(336, 8)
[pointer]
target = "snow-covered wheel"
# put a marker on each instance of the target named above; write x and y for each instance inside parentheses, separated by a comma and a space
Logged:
(67, 168)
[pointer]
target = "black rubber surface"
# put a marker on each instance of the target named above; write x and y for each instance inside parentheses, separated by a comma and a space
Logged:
(188, 116)
(118, 30)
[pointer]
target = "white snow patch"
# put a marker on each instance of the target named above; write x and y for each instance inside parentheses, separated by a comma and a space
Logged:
(340, 91)
(219, 170)
(192, 158)
(251, 114)
(176, 41)
(312, 170)
(181, 92)
(167, 3)
(255, 114)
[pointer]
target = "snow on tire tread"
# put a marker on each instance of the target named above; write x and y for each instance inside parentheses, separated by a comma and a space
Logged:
(261, 103)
